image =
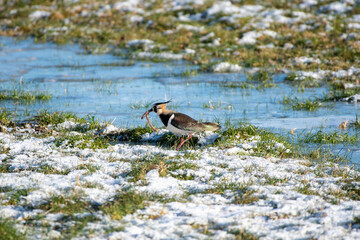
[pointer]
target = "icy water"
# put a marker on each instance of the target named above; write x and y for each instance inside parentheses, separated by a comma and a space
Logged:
(110, 88)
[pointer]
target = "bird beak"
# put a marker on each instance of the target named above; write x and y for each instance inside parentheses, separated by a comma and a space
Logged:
(146, 113)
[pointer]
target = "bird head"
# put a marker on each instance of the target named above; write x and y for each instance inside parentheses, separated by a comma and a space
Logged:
(158, 108)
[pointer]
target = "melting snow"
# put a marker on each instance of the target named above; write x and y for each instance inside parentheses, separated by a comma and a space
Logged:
(279, 212)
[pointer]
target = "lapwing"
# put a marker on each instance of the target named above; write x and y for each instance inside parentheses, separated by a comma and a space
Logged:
(179, 123)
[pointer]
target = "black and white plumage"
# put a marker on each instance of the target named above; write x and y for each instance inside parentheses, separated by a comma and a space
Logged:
(179, 123)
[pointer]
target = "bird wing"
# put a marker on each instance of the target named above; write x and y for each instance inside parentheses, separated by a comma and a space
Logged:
(186, 123)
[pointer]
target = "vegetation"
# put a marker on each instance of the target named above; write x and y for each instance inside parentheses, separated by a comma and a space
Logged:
(124, 203)
(307, 104)
(18, 95)
(76, 27)
(335, 137)
(8, 231)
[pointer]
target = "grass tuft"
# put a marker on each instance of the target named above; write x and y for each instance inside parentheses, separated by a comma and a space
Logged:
(306, 104)
(68, 205)
(9, 232)
(124, 203)
(336, 137)
(19, 95)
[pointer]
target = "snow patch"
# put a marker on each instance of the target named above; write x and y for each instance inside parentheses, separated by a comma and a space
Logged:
(226, 67)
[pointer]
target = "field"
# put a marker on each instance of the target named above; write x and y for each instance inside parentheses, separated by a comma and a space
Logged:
(79, 175)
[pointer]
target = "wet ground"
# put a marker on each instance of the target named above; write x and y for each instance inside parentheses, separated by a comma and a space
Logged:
(113, 89)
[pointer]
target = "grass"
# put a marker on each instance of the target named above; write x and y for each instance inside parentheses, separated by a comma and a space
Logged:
(259, 80)
(68, 205)
(142, 166)
(83, 141)
(243, 235)
(242, 193)
(8, 231)
(77, 226)
(17, 195)
(212, 105)
(336, 137)
(268, 143)
(306, 104)
(141, 104)
(5, 117)
(355, 124)
(348, 191)
(118, 30)
(124, 203)
(171, 141)
(135, 134)
(45, 118)
(337, 93)
(164, 166)
(19, 95)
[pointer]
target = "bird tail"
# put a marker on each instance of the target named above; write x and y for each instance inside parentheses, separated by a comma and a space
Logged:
(211, 126)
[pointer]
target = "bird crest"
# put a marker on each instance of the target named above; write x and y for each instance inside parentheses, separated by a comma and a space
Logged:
(161, 104)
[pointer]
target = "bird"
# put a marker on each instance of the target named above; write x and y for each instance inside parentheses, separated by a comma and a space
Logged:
(180, 124)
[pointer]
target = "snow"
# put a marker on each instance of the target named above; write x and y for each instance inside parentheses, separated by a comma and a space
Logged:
(38, 14)
(110, 129)
(324, 74)
(250, 37)
(353, 99)
(354, 26)
(129, 6)
(226, 7)
(226, 67)
(336, 7)
(189, 28)
(145, 44)
(162, 55)
(280, 211)
(136, 19)
(306, 60)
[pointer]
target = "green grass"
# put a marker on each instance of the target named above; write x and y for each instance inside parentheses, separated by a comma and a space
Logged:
(17, 195)
(268, 144)
(243, 235)
(77, 226)
(262, 76)
(114, 30)
(45, 118)
(355, 124)
(335, 137)
(338, 93)
(6, 117)
(306, 104)
(141, 104)
(8, 231)
(356, 220)
(348, 191)
(19, 95)
(242, 193)
(171, 141)
(68, 205)
(135, 134)
(142, 166)
(83, 141)
(212, 105)
(124, 203)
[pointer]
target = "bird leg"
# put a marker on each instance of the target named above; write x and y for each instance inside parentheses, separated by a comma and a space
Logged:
(182, 141)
